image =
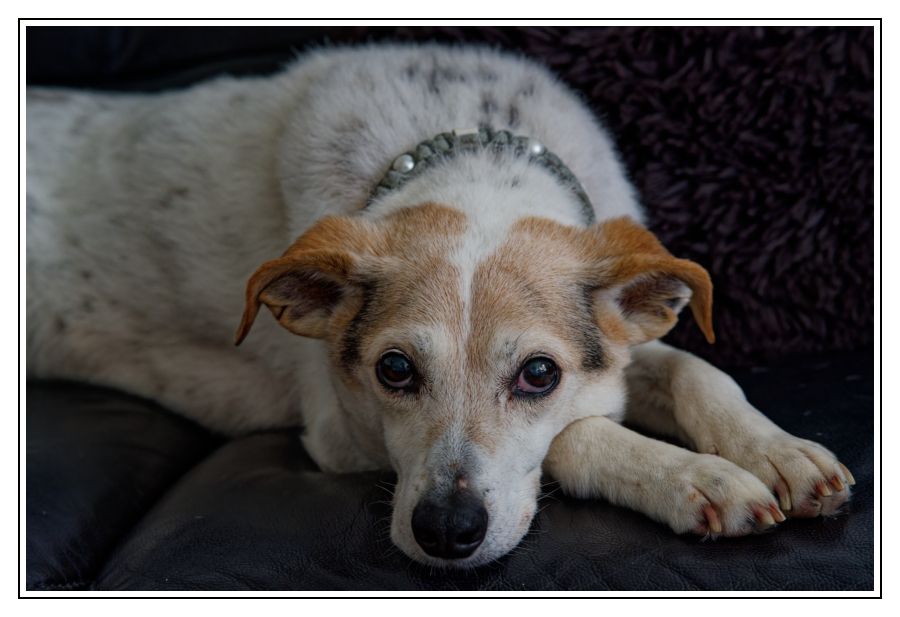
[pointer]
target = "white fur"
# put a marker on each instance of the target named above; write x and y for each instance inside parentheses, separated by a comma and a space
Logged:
(146, 215)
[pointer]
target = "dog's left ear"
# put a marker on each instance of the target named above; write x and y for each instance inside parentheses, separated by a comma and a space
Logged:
(304, 286)
(646, 283)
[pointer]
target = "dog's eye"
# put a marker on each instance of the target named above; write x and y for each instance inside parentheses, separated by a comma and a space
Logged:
(395, 371)
(538, 376)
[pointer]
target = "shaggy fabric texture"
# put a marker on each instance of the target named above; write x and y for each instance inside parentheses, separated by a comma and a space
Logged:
(751, 147)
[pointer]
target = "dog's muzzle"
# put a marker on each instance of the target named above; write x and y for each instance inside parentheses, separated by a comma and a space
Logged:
(450, 528)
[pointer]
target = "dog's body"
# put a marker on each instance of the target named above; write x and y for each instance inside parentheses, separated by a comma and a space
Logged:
(147, 213)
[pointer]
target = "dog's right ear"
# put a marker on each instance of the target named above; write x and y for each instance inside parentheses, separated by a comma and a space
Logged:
(647, 284)
(303, 287)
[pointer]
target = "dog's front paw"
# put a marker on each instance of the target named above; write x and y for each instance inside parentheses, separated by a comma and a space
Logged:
(808, 479)
(715, 497)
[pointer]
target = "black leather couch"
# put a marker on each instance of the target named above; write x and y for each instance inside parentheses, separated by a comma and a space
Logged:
(124, 495)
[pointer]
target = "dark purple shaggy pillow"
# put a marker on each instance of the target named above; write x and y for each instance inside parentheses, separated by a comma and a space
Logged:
(752, 150)
(751, 147)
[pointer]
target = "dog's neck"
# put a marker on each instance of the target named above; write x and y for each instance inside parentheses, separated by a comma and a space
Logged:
(444, 146)
(466, 168)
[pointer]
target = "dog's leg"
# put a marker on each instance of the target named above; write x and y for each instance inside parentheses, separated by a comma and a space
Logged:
(675, 393)
(690, 492)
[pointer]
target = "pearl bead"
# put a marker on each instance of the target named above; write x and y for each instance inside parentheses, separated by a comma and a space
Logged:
(403, 163)
(535, 147)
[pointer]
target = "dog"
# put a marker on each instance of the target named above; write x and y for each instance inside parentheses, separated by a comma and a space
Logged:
(474, 296)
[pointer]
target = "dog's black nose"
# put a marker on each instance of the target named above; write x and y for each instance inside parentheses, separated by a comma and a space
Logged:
(450, 529)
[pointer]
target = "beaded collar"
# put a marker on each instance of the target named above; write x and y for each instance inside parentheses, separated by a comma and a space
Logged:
(443, 146)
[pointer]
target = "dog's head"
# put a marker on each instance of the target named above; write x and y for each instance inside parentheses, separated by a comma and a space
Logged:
(475, 351)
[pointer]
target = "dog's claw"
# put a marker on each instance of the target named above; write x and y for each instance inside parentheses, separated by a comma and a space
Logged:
(712, 519)
(763, 517)
(849, 476)
(837, 484)
(823, 489)
(777, 514)
(784, 496)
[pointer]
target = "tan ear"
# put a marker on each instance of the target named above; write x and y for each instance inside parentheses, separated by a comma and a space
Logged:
(301, 291)
(648, 284)
(303, 287)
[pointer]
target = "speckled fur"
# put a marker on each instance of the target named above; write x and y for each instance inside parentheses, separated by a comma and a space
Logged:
(146, 214)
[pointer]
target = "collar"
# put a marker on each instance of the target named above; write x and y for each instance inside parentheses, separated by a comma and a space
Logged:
(434, 151)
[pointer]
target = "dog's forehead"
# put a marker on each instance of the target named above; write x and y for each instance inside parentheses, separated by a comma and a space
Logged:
(533, 283)
(482, 272)
(482, 288)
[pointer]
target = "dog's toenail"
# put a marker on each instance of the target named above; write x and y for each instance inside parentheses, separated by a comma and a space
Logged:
(850, 479)
(715, 526)
(784, 496)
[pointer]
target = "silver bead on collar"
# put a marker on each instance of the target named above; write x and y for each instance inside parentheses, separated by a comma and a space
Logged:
(535, 148)
(404, 163)
(447, 145)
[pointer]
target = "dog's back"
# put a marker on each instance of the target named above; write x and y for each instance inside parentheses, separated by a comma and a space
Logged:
(146, 213)
(143, 213)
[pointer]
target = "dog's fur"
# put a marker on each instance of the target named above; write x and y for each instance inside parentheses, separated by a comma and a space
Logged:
(147, 214)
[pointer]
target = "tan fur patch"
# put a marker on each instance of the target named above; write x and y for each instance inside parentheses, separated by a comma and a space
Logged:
(436, 430)
(408, 247)
(539, 275)
(482, 431)
(633, 251)
(535, 280)
(612, 324)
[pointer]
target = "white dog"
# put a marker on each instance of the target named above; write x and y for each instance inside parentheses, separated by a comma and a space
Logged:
(475, 297)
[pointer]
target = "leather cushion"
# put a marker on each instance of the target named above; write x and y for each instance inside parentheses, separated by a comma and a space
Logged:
(257, 514)
(95, 461)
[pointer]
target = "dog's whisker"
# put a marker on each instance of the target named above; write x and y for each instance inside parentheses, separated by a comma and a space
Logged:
(383, 520)
(542, 508)
(386, 487)
(550, 493)
(534, 533)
